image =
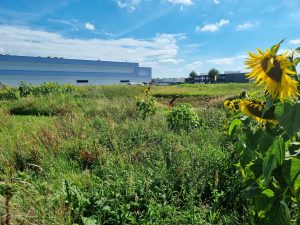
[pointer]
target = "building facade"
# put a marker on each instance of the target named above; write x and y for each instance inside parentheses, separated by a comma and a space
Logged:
(36, 70)
(167, 81)
(227, 77)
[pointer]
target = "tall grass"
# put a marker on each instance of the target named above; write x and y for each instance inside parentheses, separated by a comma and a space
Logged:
(203, 90)
(88, 158)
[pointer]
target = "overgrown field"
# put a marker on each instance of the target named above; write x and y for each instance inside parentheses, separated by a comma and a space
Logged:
(86, 156)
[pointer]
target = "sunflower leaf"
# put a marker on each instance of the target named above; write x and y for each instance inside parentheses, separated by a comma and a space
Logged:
(288, 115)
(296, 61)
(298, 50)
(274, 157)
(268, 105)
(274, 48)
(291, 172)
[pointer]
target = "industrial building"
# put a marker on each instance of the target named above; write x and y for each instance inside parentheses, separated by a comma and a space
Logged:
(36, 70)
(167, 81)
(226, 77)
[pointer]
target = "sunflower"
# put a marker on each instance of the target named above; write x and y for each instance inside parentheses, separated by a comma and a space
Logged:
(147, 90)
(233, 104)
(255, 108)
(273, 71)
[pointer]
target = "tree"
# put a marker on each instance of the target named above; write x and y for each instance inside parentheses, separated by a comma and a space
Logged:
(213, 75)
(193, 75)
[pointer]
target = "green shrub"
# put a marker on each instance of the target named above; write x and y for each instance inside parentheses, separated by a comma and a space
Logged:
(183, 117)
(48, 88)
(44, 89)
(146, 106)
(25, 89)
(9, 94)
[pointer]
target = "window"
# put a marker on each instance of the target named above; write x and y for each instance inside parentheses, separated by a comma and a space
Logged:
(124, 81)
(82, 81)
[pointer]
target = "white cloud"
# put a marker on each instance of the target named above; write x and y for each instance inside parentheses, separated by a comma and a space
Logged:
(295, 42)
(89, 26)
(212, 27)
(247, 25)
(216, 2)
(181, 2)
(171, 61)
(148, 52)
(72, 23)
(195, 65)
(129, 5)
(227, 61)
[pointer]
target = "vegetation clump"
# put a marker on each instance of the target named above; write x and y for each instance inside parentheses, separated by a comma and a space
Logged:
(44, 89)
(146, 106)
(9, 94)
(183, 117)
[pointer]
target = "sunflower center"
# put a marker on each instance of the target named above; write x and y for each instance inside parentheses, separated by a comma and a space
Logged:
(254, 110)
(275, 73)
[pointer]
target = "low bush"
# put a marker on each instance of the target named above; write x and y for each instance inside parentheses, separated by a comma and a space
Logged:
(146, 106)
(25, 89)
(183, 117)
(9, 94)
(44, 89)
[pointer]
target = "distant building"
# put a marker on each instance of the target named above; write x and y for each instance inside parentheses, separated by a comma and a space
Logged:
(35, 70)
(226, 77)
(167, 81)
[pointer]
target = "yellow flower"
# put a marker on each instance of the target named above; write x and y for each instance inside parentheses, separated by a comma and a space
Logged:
(273, 71)
(227, 104)
(147, 90)
(233, 104)
(255, 108)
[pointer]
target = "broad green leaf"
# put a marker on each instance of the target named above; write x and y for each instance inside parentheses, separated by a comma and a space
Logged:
(272, 209)
(268, 104)
(233, 126)
(288, 115)
(265, 140)
(257, 167)
(296, 61)
(269, 193)
(274, 48)
(277, 174)
(285, 213)
(274, 157)
(297, 50)
(291, 172)
(278, 148)
(264, 202)
(246, 156)
(268, 166)
(251, 191)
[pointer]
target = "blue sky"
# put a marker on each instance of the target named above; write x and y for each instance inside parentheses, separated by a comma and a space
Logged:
(174, 37)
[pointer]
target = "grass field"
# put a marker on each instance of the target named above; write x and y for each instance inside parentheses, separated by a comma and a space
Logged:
(88, 158)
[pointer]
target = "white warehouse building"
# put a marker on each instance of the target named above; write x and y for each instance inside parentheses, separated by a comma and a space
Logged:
(36, 70)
